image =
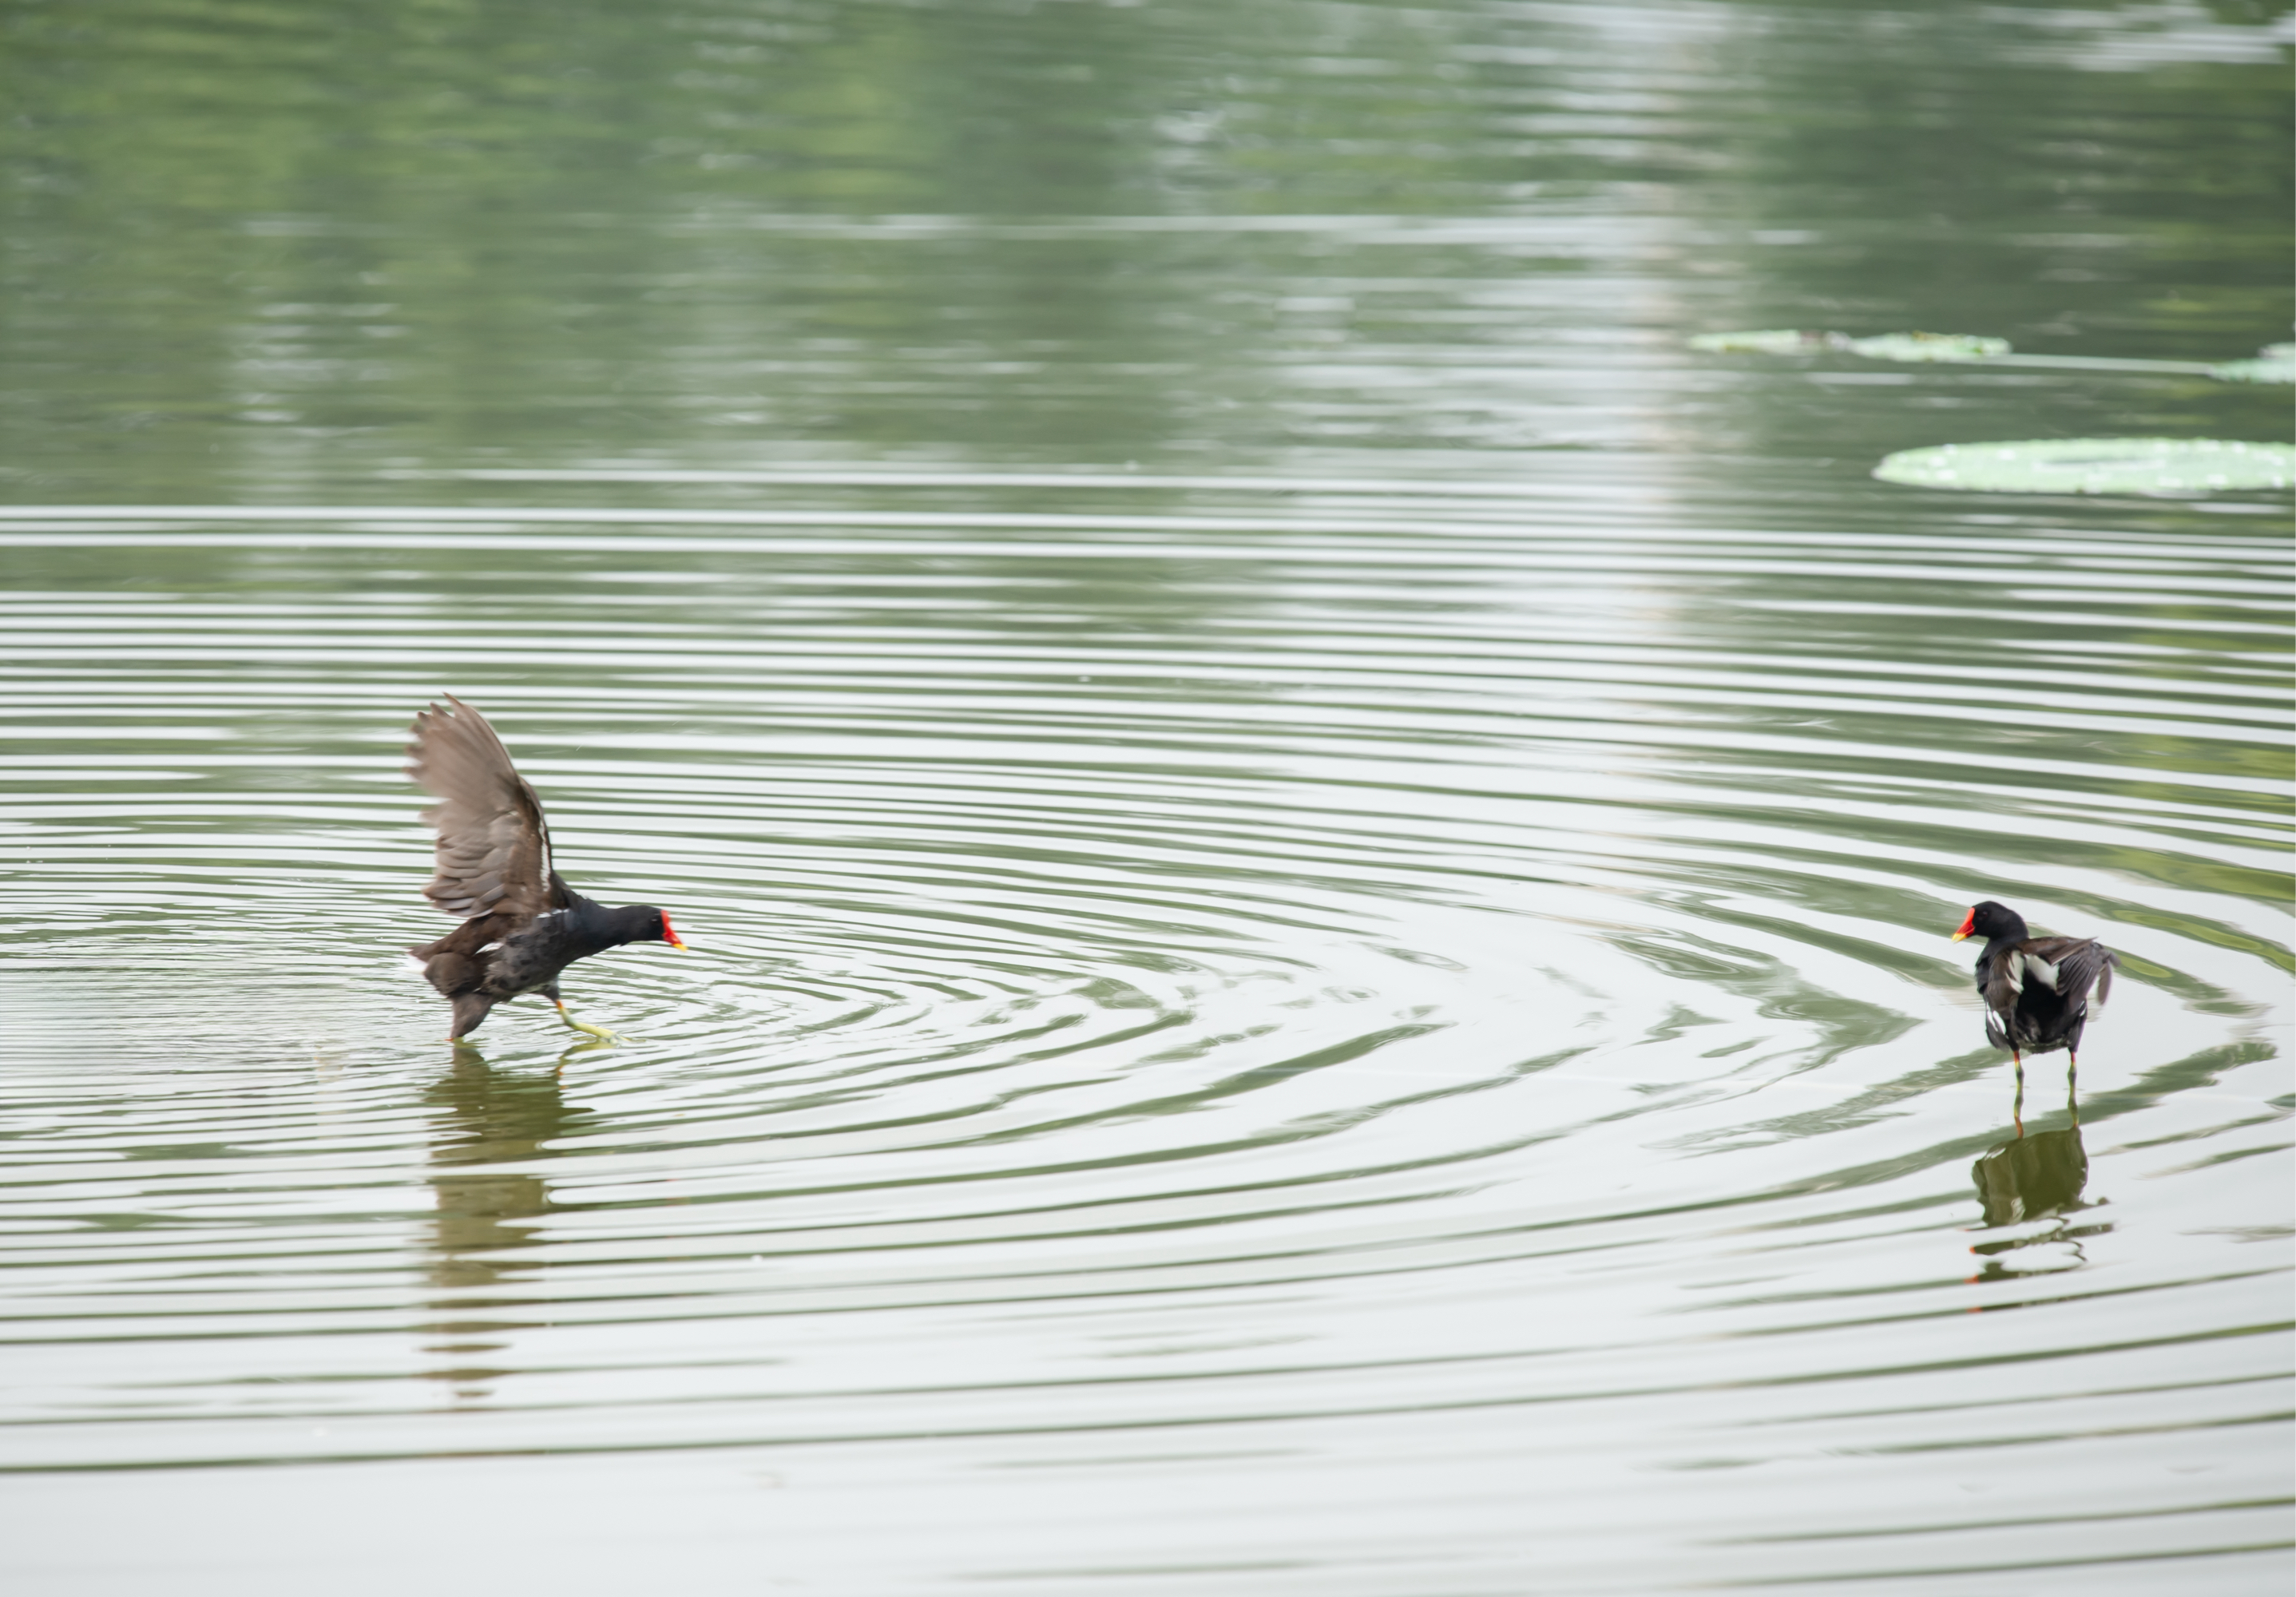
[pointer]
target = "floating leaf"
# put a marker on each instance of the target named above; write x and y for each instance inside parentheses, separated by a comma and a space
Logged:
(1930, 345)
(2095, 466)
(1779, 341)
(2274, 363)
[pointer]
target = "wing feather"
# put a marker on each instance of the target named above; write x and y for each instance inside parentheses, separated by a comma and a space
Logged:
(2000, 981)
(2082, 963)
(494, 847)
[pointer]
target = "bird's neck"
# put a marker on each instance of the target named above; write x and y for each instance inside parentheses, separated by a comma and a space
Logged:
(2008, 936)
(599, 928)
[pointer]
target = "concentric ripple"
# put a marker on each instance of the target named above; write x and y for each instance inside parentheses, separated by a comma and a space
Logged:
(1449, 990)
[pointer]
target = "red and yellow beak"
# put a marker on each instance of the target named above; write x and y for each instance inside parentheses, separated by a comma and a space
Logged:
(671, 936)
(1968, 926)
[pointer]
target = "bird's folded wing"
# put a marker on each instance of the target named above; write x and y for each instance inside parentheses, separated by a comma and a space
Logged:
(2000, 982)
(494, 849)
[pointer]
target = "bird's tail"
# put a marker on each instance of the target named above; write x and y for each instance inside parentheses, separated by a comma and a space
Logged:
(469, 1009)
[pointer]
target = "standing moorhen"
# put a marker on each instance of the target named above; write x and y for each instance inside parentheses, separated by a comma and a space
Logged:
(2036, 989)
(521, 923)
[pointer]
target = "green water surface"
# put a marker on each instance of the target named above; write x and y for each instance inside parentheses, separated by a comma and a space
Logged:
(1318, 860)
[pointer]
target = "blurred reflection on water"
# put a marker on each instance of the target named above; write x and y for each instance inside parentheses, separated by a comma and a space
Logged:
(2036, 1175)
(488, 1215)
(2032, 1176)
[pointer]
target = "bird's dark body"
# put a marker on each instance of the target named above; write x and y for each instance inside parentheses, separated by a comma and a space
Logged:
(2037, 991)
(485, 961)
(521, 923)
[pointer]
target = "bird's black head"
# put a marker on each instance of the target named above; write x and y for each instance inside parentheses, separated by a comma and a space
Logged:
(637, 923)
(1989, 920)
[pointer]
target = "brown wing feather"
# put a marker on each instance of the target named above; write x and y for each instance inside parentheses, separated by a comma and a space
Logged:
(2000, 987)
(494, 848)
(2081, 962)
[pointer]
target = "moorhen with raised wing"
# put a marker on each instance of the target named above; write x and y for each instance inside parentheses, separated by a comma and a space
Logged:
(2037, 991)
(521, 923)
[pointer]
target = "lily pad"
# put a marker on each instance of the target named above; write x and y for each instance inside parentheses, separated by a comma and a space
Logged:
(1930, 345)
(1775, 341)
(2274, 363)
(2096, 466)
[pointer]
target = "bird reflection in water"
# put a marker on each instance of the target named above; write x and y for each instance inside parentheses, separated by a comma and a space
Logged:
(485, 1214)
(2036, 1176)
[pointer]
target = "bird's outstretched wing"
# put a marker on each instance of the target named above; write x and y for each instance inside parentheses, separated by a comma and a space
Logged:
(494, 849)
(2069, 967)
(2080, 963)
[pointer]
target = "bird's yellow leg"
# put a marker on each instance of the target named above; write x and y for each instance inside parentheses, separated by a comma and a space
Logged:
(599, 1032)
